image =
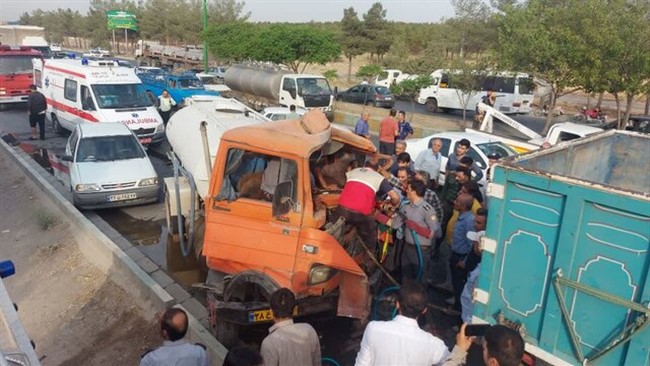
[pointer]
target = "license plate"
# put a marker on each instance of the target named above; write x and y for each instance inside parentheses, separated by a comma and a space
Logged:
(121, 197)
(258, 316)
(146, 140)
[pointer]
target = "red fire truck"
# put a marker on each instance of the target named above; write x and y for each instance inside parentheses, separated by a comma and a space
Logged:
(15, 73)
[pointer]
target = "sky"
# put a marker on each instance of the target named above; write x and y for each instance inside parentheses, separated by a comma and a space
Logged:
(416, 11)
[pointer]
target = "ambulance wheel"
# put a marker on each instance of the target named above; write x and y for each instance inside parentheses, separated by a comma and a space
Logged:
(56, 126)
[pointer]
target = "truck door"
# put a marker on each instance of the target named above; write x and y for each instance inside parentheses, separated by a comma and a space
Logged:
(288, 93)
(241, 231)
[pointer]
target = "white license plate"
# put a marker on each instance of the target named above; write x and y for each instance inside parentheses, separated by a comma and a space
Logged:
(122, 197)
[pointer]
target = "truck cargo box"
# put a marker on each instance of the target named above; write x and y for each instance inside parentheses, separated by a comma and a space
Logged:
(565, 256)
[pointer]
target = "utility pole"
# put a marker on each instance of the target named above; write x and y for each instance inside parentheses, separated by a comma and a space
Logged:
(205, 28)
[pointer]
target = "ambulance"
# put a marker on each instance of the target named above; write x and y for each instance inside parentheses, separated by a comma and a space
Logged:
(97, 91)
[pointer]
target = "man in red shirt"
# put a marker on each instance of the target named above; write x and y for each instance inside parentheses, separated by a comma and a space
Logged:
(388, 130)
(357, 201)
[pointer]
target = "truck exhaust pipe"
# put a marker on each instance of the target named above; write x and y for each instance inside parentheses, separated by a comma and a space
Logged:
(206, 147)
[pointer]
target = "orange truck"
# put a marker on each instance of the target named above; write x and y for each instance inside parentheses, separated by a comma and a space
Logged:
(243, 200)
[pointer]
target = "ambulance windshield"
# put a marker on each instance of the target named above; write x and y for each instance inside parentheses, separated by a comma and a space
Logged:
(118, 96)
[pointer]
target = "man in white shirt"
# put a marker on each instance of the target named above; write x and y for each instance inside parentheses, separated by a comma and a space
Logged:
(401, 341)
(429, 161)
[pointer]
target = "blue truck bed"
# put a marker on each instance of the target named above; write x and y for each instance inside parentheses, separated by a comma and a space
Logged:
(565, 256)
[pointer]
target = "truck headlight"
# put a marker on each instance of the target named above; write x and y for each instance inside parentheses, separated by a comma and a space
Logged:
(148, 182)
(320, 273)
(159, 128)
(87, 188)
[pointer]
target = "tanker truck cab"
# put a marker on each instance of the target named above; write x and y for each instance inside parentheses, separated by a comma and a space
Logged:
(97, 91)
(307, 91)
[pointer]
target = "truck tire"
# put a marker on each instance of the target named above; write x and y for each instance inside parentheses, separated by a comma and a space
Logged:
(56, 126)
(227, 333)
(431, 105)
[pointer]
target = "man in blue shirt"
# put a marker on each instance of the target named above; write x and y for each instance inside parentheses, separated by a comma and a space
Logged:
(404, 128)
(461, 245)
(361, 128)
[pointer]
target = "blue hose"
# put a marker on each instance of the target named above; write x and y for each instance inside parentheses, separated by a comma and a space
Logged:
(382, 293)
(330, 360)
(420, 260)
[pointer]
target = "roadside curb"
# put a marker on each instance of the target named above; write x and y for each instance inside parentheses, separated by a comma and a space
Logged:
(122, 262)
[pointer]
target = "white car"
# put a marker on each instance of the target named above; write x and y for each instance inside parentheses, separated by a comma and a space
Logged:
(280, 113)
(481, 146)
(211, 82)
(109, 167)
(55, 47)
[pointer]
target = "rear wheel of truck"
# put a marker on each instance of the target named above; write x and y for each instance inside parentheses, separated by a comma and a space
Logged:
(431, 105)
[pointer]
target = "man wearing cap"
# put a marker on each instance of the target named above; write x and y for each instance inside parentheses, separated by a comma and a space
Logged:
(36, 108)
(493, 158)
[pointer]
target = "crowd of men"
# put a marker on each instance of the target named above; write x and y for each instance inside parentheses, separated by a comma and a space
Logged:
(397, 200)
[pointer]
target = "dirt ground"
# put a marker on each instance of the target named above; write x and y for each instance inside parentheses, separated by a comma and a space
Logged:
(71, 310)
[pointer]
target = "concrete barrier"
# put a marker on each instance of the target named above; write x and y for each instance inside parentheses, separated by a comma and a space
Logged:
(123, 263)
(423, 125)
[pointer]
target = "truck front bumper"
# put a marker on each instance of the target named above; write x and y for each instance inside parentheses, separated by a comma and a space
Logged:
(13, 99)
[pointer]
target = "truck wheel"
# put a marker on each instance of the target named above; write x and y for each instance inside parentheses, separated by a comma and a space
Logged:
(431, 105)
(56, 126)
(227, 333)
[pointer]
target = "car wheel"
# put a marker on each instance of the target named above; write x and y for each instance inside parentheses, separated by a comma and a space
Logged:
(431, 105)
(56, 126)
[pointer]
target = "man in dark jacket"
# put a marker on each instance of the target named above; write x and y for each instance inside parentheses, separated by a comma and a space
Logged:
(36, 108)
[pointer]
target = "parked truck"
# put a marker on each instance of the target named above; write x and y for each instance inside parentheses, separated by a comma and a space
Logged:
(523, 139)
(25, 35)
(241, 199)
(262, 86)
(565, 256)
(15, 74)
(180, 86)
(153, 53)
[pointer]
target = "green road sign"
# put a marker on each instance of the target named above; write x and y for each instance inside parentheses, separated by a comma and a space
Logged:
(121, 19)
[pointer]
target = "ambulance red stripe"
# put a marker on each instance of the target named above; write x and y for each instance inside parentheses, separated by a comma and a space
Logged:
(79, 113)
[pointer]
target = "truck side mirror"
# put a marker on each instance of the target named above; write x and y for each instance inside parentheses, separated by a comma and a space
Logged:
(67, 158)
(282, 201)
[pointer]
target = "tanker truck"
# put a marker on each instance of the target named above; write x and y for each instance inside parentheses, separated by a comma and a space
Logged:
(262, 86)
(242, 202)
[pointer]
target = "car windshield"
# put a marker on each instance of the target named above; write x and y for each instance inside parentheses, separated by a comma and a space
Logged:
(109, 148)
(496, 147)
(116, 96)
(313, 86)
(382, 90)
(15, 64)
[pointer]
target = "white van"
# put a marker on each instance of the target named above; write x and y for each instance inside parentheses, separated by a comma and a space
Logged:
(109, 167)
(79, 91)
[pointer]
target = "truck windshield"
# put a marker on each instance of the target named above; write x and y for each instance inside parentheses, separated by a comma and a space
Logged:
(109, 148)
(189, 84)
(116, 96)
(15, 65)
(313, 86)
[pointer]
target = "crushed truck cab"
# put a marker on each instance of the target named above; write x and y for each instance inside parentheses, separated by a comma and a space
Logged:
(265, 223)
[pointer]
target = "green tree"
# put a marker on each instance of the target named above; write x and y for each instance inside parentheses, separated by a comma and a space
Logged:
(410, 88)
(534, 37)
(376, 31)
(351, 40)
(370, 72)
(235, 41)
(467, 79)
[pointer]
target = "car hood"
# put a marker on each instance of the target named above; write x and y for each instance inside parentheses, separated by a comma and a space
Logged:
(118, 171)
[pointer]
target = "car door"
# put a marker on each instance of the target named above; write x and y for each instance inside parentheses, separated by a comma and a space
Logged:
(363, 95)
(69, 117)
(351, 94)
(71, 151)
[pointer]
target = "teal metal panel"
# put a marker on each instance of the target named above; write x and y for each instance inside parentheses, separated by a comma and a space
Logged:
(593, 236)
